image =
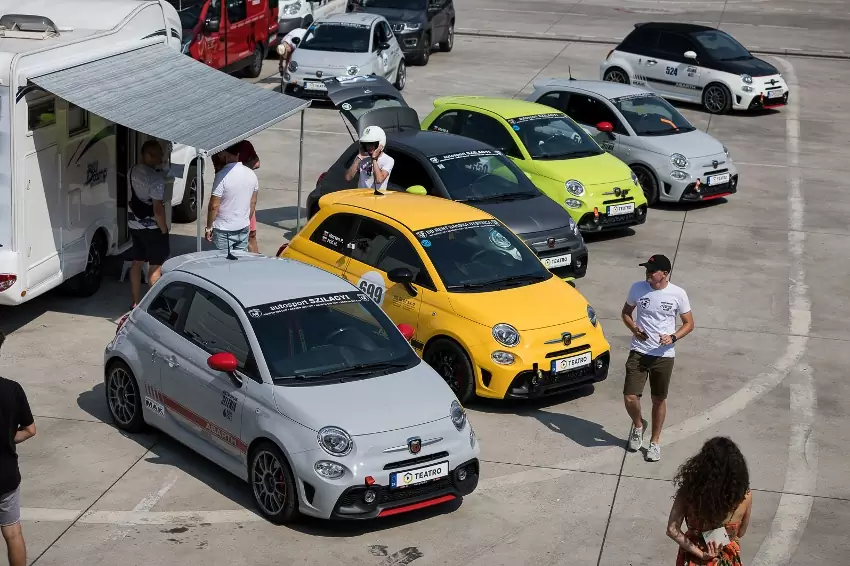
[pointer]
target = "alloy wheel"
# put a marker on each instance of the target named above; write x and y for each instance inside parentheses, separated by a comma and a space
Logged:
(268, 482)
(616, 76)
(122, 396)
(715, 98)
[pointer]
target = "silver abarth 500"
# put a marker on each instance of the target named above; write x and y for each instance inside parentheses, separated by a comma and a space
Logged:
(673, 160)
(295, 381)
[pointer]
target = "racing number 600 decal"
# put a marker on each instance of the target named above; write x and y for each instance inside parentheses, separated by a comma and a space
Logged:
(372, 283)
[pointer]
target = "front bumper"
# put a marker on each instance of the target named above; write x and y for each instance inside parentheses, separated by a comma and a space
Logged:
(345, 498)
(307, 83)
(600, 220)
(696, 186)
(763, 93)
(411, 42)
(552, 247)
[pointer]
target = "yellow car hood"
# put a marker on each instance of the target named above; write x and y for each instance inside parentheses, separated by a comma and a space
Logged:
(602, 169)
(527, 307)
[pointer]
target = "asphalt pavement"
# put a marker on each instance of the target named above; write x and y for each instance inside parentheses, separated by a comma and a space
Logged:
(766, 364)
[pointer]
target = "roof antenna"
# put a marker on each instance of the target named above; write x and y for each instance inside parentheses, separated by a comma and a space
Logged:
(230, 255)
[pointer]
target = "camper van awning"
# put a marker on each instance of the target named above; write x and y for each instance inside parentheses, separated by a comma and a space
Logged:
(161, 92)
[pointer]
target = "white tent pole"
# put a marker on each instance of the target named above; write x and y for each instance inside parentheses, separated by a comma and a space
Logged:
(199, 195)
(300, 165)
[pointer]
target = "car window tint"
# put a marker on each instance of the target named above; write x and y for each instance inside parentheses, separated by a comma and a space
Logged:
(335, 232)
(169, 304)
(376, 38)
(446, 122)
(589, 111)
(407, 171)
(237, 10)
(385, 248)
(213, 326)
(641, 40)
(673, 46)
(551, 99)
(490, 131)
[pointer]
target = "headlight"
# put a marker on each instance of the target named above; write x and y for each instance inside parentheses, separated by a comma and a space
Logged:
(726, 150)
(679, 160)
(572, 203)
(574, 187)
(506, 335)
(292, 9)
(353, 70)
(458, 415)
(293, 66)
(330, 470)
(335, 441)
(412, 27)
(747, 79)
(591, 314)
(503, 358)
(635, 179)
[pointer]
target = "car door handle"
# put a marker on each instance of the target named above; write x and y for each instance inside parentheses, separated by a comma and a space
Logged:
(172, 362)
(651, 62)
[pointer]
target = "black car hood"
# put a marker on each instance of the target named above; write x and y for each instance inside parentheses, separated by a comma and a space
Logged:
(754, 67)
(394, 14)
(527, 216)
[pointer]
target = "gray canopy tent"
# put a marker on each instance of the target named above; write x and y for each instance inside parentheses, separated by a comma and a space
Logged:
(158, 91)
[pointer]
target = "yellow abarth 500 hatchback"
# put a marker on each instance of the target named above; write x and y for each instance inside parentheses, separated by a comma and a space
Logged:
(559, 156)
(475, 301)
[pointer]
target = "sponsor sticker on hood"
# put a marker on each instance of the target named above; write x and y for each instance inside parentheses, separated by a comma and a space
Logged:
(271, 309)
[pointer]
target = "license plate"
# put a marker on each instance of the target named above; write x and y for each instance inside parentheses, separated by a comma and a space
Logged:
(774, 94)
(718, 179)
(557, 261)
(314, 86)
(566, 364)
(419, 475)
(617, 209)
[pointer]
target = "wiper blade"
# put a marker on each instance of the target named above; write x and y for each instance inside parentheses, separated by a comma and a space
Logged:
(505, 197)
(362, 368)
(512, 278)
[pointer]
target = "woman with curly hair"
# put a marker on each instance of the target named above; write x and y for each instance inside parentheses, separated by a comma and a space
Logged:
(713, 491)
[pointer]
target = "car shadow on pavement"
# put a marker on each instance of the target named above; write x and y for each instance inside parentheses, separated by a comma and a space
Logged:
(690, 206)
(680, 105)
(590, 237)
(165, 451)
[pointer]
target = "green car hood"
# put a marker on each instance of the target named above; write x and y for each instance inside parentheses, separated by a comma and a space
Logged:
(602, 169)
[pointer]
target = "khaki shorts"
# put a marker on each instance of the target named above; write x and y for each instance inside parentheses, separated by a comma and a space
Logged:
(640, 366)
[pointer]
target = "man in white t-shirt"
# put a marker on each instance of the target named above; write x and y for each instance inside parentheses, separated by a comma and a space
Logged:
(232, 203)
(371, 162)
(650, 314)
(287, 45)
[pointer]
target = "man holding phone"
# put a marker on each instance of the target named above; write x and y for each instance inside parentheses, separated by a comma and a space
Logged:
(650, 314)
(374, 165)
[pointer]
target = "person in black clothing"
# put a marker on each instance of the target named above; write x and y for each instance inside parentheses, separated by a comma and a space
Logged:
(16, 425)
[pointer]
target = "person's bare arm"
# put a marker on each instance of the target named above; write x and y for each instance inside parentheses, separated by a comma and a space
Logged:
(380, 174)
(626, 315)
(684, 330)
(25, 433)
(212, 210)
(352, 171)
(745, 520)
(253, 204)
(674, 531)
(159, 214)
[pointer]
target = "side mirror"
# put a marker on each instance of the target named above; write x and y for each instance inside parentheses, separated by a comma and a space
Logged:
(223, 361)
(606, 127)
(211, 26)
(407, 331)
(383, 46)
(404, 276)
(417, 190)
(690, 55)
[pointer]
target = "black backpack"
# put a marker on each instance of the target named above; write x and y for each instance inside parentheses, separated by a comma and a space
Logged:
(138, 207)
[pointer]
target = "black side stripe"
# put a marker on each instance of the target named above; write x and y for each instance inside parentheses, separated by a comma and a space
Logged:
(156, 33)
(101, 135)
(417, 344)
(672, 83)
(175, 34)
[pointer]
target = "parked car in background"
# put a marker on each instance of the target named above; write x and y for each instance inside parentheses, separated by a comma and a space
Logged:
(673, 160)
(418, 24)
(231, 36)
(296, 14)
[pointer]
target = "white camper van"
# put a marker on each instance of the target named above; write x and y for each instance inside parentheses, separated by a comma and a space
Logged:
(64, 170)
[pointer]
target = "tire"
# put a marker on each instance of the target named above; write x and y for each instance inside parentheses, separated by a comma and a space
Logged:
(716, 98)
(616, 75)
(648, 183)
(256, 67)
(447, 45)
(449, 360)
(267, 459)
(401, 75)
(187, 211)
(425, 56)
(124, 398)
(88, 282)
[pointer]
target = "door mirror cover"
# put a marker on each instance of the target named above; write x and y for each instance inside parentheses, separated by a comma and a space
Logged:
(606, 127)
(223, 361)
(407, 331)
(690, 55)
(417, 190)
(401, 275)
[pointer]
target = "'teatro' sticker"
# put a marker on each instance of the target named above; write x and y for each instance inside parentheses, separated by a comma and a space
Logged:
(445, 229)
(270, 309)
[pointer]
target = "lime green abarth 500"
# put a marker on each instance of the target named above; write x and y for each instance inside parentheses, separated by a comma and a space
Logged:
(598, 190)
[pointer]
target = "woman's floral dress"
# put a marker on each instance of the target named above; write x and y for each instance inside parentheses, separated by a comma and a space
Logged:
(729, 555)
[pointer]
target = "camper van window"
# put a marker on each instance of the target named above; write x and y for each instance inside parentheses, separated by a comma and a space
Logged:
(78, 120)
(42, 114)
(237, 10)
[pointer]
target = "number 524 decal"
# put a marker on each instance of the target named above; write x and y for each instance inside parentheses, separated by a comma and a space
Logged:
(672, 71)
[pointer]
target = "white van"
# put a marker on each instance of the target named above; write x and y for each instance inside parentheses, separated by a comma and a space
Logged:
(301, 13)
(63, 170)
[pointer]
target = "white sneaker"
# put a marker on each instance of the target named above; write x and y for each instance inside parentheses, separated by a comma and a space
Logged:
(654, 453)
(636, 439)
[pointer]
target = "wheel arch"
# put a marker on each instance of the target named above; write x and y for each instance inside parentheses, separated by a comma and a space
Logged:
(461, 344)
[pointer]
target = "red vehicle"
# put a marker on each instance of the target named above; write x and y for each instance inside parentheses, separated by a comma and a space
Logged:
(229, 35)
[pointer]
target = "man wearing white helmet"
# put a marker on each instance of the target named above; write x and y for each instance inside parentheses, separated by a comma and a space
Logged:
(374, 165)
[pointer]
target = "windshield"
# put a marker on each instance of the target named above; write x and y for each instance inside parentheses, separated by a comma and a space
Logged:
(336, 36)
(721, 46)
(481, 255)
(328, 336)
(190, 11)
(482, 175)
(554, 136)
(651, 115)
(394, 4)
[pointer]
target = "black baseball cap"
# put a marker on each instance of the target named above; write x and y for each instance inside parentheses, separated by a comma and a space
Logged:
(657, 262)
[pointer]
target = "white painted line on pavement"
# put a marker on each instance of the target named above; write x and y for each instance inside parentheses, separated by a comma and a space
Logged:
(297, 130)
(152, 499)
(168, 518)
(49, 515)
